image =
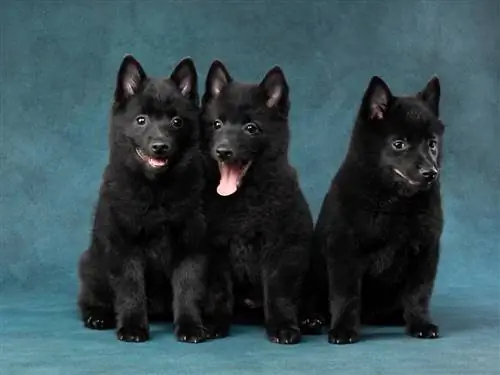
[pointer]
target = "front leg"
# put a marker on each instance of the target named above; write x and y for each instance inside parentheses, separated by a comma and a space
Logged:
(188, 291)
(418, 292)
(130, 301)
(345, 300)
(281, 289)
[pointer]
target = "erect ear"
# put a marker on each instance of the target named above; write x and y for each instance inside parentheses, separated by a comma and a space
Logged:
(275, 88)
(217, 78)
(129, 79)
(377, 99)
(431, 94)
(186, 78)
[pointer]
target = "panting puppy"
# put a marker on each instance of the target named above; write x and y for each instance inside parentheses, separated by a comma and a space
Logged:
(381, 221)
(259, 223)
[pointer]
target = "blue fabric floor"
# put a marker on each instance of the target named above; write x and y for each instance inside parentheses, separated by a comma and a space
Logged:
(45, 337)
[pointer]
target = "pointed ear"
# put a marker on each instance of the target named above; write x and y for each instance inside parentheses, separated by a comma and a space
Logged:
(217, 78)
(276, 89)
(431, 94)
(377, 99)
(129, 79)
(186, 78)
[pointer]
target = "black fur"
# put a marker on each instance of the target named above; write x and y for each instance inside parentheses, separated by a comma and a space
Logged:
(261, 233)
(145, 258)
(381, 221)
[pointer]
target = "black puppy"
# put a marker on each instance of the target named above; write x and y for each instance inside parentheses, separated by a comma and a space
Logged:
(381, 221)
(260, 226)
(145, 256)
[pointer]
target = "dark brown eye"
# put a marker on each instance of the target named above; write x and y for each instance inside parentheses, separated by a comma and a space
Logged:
(432, 144)
(217, 124)
(141, 120)
(176, 122)
(251, 128)
(399, 145)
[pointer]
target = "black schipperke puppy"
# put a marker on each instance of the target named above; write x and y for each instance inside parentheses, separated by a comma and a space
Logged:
(145, 257)
(381, 221)
(259, 223)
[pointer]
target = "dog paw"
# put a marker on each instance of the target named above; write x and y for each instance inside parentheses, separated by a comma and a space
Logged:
(133, 334)
(312, 325)
(192, 334)
(217, 331)
(284, 335)
(423, 330)
(341, 336)
(100, 321)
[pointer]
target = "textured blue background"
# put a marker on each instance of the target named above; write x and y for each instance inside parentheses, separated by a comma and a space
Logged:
(57, 71)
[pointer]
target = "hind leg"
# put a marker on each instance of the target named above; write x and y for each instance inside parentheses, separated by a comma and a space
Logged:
(95, 299)
(312, 324)
(312, 317)
(314, 302)
(314, 308)
(95, 313)
(219, 305)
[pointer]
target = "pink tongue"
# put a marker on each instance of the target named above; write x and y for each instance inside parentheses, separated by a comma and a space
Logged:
(229, 176)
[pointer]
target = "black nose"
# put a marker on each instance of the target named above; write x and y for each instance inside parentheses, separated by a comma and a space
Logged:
(159, 148)
(223, 152)
(429, 174)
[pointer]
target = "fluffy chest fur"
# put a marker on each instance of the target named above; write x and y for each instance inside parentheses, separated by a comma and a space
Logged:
(147, 219)
(392, 237)
(238, 228)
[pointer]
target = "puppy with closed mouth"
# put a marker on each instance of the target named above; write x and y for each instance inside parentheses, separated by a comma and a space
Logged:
(146, 257)
(259, 222)
(380, 224)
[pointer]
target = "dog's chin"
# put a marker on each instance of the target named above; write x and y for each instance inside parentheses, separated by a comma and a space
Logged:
(151, 163)
(231, 176)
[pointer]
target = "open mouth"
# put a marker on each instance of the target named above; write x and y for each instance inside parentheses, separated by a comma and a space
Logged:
(152, 162)
(231, 176)
(405, 177)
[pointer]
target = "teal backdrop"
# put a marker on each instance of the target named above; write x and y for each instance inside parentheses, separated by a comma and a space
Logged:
(57, 72)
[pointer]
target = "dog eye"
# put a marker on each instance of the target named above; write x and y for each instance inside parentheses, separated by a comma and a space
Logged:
(140, 120)
(251, 128)
(399, 145)
(217, 124)
(176, 122)
(432, 144)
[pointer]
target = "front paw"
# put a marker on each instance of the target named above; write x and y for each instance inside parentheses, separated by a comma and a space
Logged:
(342, 336)
(423, 330)
(312, 325)
(133, 334)
(284, 335)
(191, 333)
(99, 321)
